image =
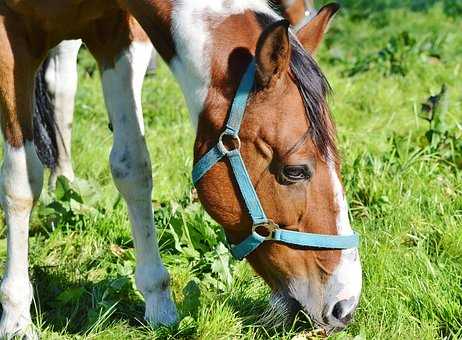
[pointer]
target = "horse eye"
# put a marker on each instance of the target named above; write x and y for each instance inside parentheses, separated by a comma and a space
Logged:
(295, 173)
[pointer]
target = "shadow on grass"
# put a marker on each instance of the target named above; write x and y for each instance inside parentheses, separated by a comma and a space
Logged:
(78, 307)
(191, 303)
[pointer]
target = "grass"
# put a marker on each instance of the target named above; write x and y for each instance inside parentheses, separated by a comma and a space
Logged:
(405, 196)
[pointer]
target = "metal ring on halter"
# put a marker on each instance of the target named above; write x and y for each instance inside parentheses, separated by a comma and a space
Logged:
(221, 146)
(270, 227)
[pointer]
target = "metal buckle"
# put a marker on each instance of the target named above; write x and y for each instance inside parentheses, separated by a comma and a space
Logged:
(270, 227)
(221, 146)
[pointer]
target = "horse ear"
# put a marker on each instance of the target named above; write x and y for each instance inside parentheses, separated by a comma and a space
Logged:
(273, 53)
(311, 35)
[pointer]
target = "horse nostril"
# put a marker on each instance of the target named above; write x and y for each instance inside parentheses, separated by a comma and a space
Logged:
(343, 311)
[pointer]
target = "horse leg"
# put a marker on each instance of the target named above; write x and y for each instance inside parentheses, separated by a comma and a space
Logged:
(60, 74)
(122, 79)
(20, 179)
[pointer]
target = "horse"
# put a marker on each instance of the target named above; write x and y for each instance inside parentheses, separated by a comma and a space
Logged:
(238, 65)
(56, 86)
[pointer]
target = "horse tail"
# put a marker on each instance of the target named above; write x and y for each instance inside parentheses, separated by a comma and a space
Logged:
(44, 120)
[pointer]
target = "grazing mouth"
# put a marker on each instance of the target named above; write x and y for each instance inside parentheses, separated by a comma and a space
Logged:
(284, 309)
(281, 310)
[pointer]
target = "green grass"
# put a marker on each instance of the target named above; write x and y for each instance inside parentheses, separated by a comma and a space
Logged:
(405, 198)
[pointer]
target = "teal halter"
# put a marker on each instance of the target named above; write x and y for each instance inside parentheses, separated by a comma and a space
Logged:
(255, 210)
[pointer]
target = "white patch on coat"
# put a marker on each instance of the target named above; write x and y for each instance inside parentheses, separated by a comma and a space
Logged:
(20, 185)
(131, 170)
(192, 23)
(61, 78)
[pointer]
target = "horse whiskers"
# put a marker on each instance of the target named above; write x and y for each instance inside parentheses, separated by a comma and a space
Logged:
(297, 306)
(278, 312)
(283, 310)
(327, 329)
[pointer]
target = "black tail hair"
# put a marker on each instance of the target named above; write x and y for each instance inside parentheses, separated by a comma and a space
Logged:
(44, 121)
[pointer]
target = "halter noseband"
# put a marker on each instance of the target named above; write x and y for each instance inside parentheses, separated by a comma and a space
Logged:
(254, 208)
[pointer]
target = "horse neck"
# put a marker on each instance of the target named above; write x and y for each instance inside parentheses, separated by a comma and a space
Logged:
(184, 34)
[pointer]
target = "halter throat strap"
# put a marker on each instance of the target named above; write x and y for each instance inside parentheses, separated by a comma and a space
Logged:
(263, 229)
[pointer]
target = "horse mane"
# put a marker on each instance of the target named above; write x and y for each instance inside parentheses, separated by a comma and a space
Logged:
(314, 89)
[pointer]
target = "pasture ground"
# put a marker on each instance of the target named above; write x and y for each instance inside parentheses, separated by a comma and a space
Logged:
(402, 176)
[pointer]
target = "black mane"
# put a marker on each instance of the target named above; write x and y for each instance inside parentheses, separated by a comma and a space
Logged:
(314, 89)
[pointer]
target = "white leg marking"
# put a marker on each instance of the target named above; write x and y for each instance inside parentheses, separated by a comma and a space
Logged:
(61, 77)
(20, 186)
(131, 170)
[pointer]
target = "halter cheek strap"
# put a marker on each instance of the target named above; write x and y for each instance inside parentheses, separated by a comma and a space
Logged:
(247, 190)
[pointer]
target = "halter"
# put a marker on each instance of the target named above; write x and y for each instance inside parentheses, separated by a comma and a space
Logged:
(263, 229)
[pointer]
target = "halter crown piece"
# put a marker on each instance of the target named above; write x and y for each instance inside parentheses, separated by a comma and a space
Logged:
(254, 208)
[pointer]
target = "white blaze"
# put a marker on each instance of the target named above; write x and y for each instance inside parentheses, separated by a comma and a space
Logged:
(346, 281)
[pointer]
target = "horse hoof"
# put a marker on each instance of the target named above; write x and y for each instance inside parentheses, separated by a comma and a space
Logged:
(160, 309)
(16, 322)
(10, 329)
